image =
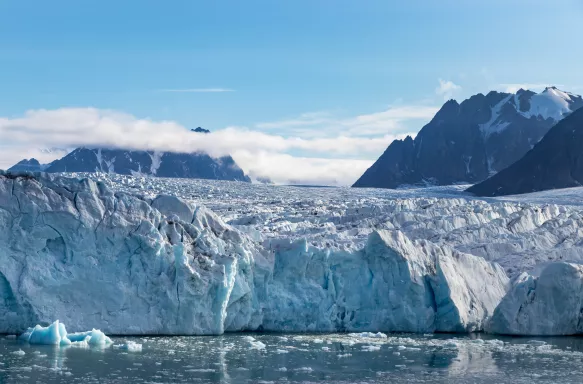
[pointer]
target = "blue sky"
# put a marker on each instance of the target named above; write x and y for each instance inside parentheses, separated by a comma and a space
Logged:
(288, 68)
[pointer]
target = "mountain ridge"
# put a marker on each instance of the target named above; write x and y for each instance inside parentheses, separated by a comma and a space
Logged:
(196, 165)
(554, 162)
(471, 140)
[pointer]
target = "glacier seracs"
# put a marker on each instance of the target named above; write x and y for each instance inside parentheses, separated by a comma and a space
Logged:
(77, 250)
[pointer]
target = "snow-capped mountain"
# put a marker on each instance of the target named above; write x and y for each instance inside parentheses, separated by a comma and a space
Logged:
(471, 141)
(555, 162)
(135, 162)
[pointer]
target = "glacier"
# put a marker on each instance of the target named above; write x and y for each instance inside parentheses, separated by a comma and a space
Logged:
(544, 305)
(127, 257)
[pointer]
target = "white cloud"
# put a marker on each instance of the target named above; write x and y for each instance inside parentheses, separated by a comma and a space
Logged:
(447, 89)
(335, 159)
(390, 121)
(198, 90)
(282, 168)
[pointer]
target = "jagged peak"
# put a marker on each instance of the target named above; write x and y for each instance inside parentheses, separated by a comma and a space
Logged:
(200, 130)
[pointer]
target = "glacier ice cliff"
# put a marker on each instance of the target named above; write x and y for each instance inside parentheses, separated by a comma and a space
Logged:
(544, 305)
(75, 250)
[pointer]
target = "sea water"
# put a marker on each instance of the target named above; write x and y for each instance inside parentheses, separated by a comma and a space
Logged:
(293, 358)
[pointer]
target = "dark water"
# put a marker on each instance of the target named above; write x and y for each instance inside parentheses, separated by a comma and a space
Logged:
(265, 358)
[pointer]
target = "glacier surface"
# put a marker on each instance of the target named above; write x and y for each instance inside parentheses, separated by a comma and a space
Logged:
(109, 251)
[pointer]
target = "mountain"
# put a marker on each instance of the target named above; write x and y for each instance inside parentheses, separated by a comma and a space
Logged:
(200, 130)
(151, 163)
(31, 165)
(555, 162)
(471, 141)
(161, 164)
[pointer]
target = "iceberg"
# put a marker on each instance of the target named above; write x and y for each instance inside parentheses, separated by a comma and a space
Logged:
(56, 334)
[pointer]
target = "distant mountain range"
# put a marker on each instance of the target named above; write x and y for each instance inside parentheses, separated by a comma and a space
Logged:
(468, 142)
(149, 163)
(555, 162)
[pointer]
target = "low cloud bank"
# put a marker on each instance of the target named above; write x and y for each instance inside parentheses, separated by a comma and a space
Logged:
(336, 160)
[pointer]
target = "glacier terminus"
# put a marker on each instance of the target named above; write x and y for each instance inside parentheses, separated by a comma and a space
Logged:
(144, 256)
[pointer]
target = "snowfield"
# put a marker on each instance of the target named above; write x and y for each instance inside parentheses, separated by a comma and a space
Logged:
(209, 257)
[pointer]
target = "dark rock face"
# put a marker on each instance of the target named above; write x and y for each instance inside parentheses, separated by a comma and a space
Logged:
(151, 163)
(31, 165)
(471, 141)
(200, 130)
(161, 164)
(555, 162)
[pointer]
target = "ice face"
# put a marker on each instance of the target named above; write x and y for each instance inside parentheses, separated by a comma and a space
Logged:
(314, 261)
(549, 304)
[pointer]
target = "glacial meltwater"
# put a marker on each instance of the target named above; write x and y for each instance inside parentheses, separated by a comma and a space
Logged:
(271, 358)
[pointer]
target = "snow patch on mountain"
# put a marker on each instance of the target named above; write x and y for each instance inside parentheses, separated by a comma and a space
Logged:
(494, 125)
(552, 103)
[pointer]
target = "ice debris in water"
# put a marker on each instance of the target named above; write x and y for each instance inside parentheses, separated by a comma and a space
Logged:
(20, 352)
(131, 346)
(254, 343)
(56, 334)
(370, 335)
(371, 348)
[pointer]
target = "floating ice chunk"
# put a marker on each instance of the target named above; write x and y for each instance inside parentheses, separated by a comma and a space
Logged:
(370, 335)
(257, 345)
(254, 343)
(205, 370)
(20, 352)
(56, 334)
(318, 341)
(371, 348)
(131, 346)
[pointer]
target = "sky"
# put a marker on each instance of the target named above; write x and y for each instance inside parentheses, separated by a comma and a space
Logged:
(298, 91)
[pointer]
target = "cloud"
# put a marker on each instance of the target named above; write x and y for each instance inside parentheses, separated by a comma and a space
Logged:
(390, 121)
(447, 89)
(198, 90)
(336, 159)
(283, 168)
(514, 87)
